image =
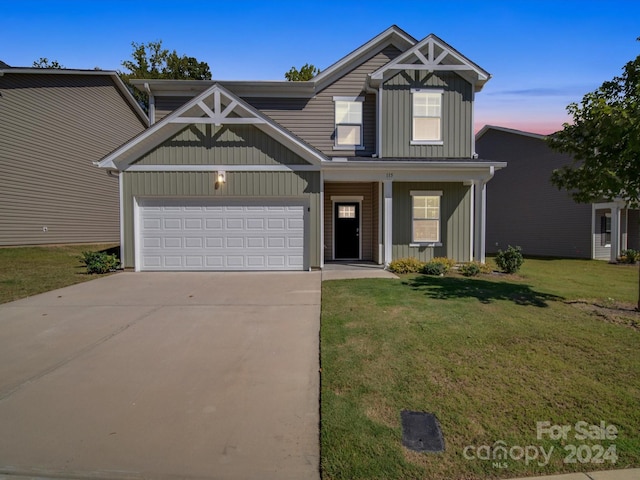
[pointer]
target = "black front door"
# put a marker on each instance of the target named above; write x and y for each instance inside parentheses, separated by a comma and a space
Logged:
(347, 230)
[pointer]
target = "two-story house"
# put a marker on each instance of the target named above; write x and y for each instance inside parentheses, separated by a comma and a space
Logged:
(373, 160)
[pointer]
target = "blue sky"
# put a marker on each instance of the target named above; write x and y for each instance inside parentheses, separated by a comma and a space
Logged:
(542, 54)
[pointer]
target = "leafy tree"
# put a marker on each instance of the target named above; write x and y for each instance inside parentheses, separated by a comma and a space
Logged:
(43, 62)
(306, 72)
(152, 61)
(604, 141)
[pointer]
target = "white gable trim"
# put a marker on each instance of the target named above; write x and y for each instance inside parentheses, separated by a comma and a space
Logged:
(197, 111)
(391, 36)
(423, 56)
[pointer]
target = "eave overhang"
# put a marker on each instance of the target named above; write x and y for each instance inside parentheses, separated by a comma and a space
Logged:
(241, 88)
(406, 171)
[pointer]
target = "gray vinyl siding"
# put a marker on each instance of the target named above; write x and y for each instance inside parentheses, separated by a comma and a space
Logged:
(455, 224)
(52, 127)
(165, 105)
(313, 120)
(224, 145)
(457, 115)
(238, 184)
(369, 232)
(524, 208)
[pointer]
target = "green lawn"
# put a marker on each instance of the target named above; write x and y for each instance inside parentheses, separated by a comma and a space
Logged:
(26, 271)
(491, 356)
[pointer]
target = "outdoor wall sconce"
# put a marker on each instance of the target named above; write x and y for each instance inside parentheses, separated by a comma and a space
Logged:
(221, 178)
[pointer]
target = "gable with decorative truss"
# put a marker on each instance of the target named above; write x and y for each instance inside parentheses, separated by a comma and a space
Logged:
(215, 106)
(433, 54)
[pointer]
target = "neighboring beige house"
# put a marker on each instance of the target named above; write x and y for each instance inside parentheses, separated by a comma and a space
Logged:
(525, 209)
(371, 160)
(53, 125)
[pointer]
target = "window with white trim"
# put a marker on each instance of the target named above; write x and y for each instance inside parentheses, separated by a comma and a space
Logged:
(427, 116)
(605, 230)
(348, 119)
(425, 217)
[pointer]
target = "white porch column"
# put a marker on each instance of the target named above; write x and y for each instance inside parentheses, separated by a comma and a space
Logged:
(388, 221)
(480, 219)
(615, 233)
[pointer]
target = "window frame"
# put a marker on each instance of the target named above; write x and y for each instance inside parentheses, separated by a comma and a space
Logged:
(336, 145)
(426, 193)
(428, 91)
(605, 230)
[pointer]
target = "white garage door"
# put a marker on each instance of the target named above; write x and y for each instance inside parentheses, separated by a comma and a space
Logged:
(212, 235)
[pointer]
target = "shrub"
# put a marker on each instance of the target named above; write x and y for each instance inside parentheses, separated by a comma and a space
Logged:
(629, 256)
(510, 260)
(448, 263)
(100, 262)
(434, 268)
(471, 269)
(406, 265)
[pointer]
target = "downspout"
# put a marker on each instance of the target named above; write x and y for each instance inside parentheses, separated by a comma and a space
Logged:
(152, 104)
(374, 91)
(473, 120)
(116, 174)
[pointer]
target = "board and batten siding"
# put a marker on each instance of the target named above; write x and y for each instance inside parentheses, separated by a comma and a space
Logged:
(52, 128)
(457, 115)
(368, 232)
(313, 120)
(455, 221)
(304, 185)
(523, 208)
(223, 145)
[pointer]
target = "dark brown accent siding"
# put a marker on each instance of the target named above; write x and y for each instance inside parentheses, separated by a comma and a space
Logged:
(313, 119)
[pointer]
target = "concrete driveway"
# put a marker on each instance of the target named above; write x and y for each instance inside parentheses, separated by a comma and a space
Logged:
(163, 375)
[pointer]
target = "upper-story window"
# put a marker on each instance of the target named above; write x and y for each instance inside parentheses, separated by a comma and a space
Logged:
(348, 132)
(427, 116)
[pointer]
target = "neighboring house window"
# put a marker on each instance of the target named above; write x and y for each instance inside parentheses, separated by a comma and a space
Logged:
(425, 221)
(348, 132)
(605, 230)
(427, 116)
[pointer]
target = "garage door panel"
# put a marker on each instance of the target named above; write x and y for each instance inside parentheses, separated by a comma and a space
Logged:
(193, 242)
(212, 223)
(172, 242)
(246, 235)
(215, 242)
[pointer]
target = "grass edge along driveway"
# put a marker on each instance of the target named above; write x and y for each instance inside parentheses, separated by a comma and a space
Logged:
(26, 271)
(491, 356)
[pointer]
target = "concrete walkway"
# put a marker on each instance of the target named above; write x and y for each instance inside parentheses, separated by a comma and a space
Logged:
(627, 474)
(352, 270)
(163, 375)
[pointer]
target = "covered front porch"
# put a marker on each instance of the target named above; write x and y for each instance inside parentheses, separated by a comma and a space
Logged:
(369, 215)
(614, 228)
